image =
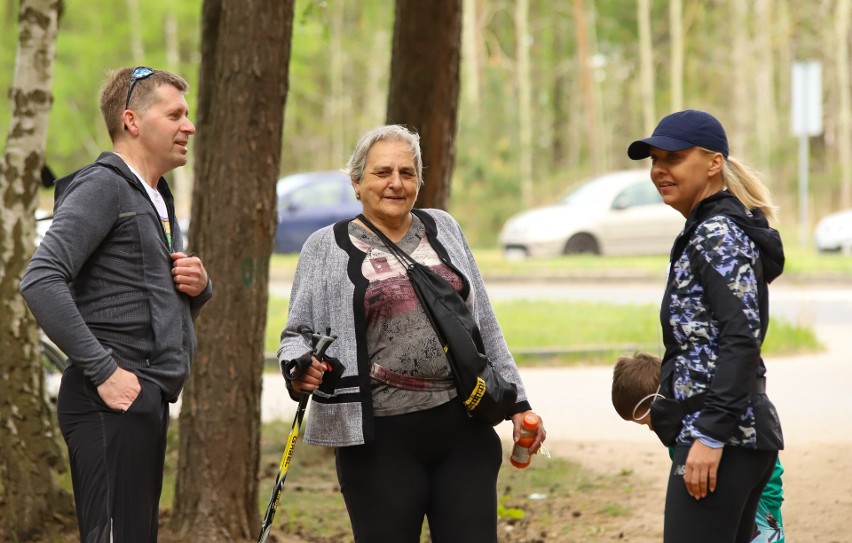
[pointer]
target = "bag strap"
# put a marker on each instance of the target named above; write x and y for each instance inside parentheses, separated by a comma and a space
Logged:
(404, 258)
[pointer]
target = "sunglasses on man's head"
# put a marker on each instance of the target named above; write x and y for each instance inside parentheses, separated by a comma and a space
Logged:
(138, 73)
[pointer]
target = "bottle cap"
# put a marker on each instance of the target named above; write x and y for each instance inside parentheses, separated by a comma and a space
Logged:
(531, 421)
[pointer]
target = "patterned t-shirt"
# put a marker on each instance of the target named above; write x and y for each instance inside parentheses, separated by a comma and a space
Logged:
(399, 335)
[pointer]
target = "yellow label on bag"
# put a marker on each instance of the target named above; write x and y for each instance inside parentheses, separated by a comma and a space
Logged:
(476, 394)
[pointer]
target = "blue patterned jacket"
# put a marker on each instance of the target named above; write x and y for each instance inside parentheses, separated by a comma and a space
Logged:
(714, 317)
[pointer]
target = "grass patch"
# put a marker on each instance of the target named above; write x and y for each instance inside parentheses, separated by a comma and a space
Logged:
(801, 264)
(564, 333)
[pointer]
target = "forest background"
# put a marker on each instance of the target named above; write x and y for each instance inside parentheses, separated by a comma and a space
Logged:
(551, 92)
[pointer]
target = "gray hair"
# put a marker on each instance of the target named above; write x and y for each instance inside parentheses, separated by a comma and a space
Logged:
(390, 132)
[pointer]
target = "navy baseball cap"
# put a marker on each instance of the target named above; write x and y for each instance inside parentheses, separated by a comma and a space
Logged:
(682, 130)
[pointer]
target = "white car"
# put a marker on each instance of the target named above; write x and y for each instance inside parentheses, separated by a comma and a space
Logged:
(834, 233)
(619, 213)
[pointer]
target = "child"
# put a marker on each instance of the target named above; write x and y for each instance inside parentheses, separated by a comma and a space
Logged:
(635, 384)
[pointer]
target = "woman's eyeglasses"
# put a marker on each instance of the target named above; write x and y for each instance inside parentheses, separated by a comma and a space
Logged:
(138, 73)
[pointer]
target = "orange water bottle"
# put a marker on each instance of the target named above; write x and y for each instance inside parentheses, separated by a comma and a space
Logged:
(521, 456)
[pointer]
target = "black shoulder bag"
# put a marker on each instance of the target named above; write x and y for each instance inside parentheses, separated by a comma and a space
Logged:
(486, 394)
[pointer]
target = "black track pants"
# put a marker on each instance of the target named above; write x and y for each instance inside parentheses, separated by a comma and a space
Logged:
(116, 460)
(726, 515)
(439, 463)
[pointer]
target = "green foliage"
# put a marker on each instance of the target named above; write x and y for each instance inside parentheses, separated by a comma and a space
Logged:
(339, 72)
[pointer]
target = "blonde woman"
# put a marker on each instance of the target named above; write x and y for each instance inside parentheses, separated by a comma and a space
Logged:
(725, 431)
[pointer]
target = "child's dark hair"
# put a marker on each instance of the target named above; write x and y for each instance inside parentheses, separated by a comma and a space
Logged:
(634, 378)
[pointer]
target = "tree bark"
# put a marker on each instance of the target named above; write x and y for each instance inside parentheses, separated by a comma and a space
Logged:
(844, 115)
(590, 108)
(134, 18)
(646, 65)
(472, 56)
(741, 68)
(561, 94)
(424, 87)
(766, 116)
(524, 86)
(33, 503)
(677, 53)
(243, 86)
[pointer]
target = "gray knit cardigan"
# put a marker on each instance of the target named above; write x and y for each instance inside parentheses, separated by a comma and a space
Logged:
(328, 291)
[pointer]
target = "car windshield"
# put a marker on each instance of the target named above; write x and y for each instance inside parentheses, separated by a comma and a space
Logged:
(585, 194)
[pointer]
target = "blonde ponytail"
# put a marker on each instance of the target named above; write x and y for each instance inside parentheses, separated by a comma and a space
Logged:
(744, 183)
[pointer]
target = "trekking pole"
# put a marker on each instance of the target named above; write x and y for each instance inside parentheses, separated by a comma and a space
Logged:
(294, 368)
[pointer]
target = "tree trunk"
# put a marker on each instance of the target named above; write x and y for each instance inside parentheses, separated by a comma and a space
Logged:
(561, 84)
(766, 107)
(33, 503)
(472, 57)
(676, 29)
(134, 18)
(424, 87)
(646, 66)
(243, 85)
(844, 115)
(592, 133)
(524, 86)
(742, 112)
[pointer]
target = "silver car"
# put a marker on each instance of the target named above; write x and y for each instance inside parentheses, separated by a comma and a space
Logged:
(834, 233)
(619, 213)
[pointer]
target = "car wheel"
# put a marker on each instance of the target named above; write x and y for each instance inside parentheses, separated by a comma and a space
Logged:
(581, 244)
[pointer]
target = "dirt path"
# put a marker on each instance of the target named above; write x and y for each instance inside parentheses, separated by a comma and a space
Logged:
(816, 488)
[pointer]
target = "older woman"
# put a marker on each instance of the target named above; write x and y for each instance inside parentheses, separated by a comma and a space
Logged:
(405, 446)
(714, 315)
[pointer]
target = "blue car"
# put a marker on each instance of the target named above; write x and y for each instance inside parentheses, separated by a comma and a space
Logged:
(307, 202)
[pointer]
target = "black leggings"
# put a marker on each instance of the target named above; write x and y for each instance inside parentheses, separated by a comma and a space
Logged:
(116, 460)
(438, 463)
(726, 515)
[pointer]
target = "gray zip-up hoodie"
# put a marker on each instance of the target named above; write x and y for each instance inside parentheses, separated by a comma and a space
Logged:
(100, 283)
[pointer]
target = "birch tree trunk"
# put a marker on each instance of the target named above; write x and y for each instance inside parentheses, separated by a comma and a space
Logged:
(29, 444)
(243, 86)
(134, 18)
(424, 87)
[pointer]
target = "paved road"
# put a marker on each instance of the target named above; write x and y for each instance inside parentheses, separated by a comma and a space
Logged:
(812, 392)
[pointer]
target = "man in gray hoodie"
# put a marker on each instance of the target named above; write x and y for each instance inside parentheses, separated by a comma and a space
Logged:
(111, 285)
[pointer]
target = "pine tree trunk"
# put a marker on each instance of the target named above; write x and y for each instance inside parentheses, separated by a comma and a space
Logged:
(590, 106)
(243, 85)
(33, 503)
(424, 87)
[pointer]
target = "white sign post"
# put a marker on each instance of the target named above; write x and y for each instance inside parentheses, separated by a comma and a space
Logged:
(806, 117)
